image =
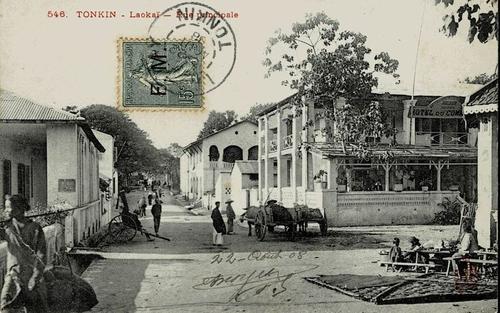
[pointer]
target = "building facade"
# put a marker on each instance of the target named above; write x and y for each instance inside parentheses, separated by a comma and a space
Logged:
(108, 177)
(50, 157)
(481, 111)
(244, 179)
(206, 159)
(432, 157)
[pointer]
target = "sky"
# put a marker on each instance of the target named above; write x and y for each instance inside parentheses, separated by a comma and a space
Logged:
(73, 61)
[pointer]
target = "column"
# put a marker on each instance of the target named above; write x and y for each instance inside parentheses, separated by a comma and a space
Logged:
(293, 183)
(259, 158)
(439, 166)
(305, 133)
(487, 188)
(408, 122)
(267, 169)
(387, 168)
(332, 173)
(278, 143)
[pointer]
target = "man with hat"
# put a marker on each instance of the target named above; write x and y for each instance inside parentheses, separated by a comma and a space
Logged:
(218, 225)
(230, 217)
(24, 287)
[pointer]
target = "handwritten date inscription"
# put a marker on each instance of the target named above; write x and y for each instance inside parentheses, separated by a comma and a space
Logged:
(257, 255)
(250, 282)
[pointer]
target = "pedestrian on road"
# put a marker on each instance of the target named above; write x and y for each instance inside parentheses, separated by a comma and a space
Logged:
(230, 217)
(142, 206)
(24, 288)
(156, 212)
(218, 225)
(150, 198)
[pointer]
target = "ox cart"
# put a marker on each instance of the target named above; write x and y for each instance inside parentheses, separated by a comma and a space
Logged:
(265, 218)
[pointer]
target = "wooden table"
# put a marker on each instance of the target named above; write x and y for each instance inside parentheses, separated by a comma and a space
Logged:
(485, 254)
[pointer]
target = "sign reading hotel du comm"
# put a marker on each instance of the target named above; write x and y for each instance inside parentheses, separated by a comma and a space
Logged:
(444, 107)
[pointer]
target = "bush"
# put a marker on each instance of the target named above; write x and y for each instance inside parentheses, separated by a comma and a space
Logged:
(451, 213)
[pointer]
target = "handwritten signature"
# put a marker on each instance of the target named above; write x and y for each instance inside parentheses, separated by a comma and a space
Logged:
(253, 283)
(256, 255)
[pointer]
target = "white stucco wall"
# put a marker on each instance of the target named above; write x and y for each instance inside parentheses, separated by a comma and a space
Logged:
(107, 171)
(243, 135)
(184, 174)
(487, 189)
(198, 176)
(61, 162)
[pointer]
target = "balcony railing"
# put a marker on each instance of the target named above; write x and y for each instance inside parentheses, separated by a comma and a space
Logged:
(287, 142)
(273, 145)
(442, 139)
(220, 165)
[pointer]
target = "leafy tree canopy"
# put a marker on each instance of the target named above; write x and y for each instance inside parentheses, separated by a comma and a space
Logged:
(254, 110)
(481, 79)
(135, 151)
(217, 121)
(175, 149)
(323, 63)
(480, 16)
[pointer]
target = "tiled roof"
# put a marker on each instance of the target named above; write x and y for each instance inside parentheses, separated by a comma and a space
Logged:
(248, 167)
(199, 141)
(403, 151)
(15, 108)
(484, 100)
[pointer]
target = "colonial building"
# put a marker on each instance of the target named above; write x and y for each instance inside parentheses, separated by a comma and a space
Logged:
(108, 177)
(205, 160)
(50, 157)
(244, 179)
(431, 157)
(481, 110)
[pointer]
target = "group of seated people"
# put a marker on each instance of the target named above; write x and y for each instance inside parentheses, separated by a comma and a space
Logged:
(465, 248)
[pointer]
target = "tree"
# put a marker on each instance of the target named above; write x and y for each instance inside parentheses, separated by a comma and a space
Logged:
(217, 121)
(324, 64)
(135, 151)
(175, 149)
(482, 17)
(170, 164)
(256, 109)
(481, 79)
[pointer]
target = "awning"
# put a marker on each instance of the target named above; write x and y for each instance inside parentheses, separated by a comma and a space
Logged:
(330, 150)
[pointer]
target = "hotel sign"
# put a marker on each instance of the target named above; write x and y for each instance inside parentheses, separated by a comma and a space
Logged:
(444, 107)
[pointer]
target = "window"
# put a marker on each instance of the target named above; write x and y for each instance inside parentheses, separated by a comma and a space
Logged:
(27, 181)
(254, 177)
(232, 153)
(6, 179)
(21, 179)
(31, 180)
(253, 153)
(213, 153)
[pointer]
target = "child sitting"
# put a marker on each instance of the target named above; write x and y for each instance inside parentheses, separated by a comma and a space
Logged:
(395, 254)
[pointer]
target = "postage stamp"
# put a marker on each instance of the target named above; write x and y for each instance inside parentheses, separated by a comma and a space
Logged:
(160, 74)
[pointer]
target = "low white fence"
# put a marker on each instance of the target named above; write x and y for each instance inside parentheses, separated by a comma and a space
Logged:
(81, 223)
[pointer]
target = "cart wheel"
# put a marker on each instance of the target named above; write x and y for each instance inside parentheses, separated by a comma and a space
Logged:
(122, 228)
(323, 227)
(293, 231)
(260, 226)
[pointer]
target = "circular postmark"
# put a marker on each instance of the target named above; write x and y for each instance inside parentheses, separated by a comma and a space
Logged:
(191, 22)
